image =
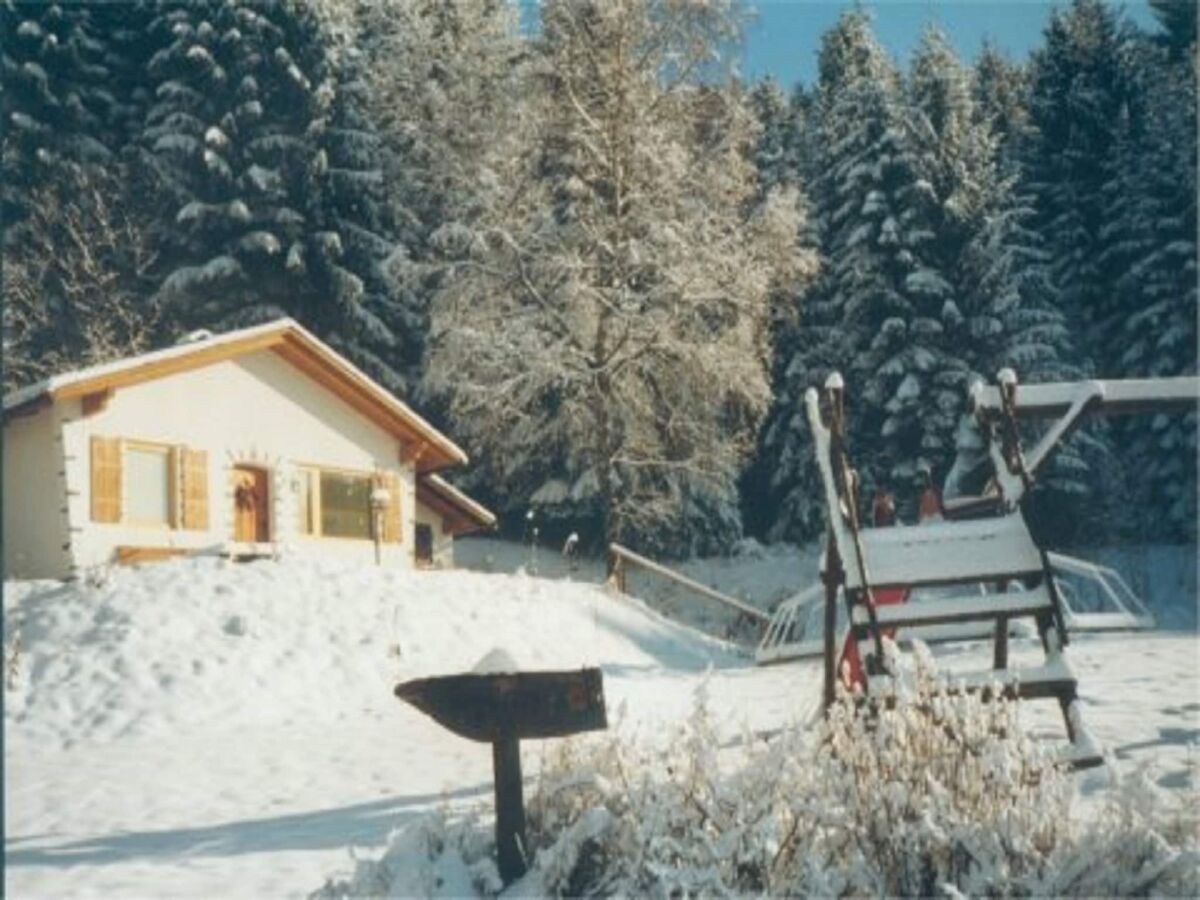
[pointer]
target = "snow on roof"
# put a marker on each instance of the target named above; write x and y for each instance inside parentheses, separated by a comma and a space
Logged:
(55, 383)
(285, 335)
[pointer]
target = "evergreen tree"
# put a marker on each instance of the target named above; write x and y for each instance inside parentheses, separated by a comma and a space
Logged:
(777, 151)
(445, 84)
(884, 304)
(1178, 20)
(957, 155)
(1076, 99)
(384, 323)
(271, 168)
(1150, 250)
(779, 155)
(1000, 89)
(61, 100)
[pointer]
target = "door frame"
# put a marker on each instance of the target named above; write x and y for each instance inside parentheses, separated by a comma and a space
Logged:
(262, 477)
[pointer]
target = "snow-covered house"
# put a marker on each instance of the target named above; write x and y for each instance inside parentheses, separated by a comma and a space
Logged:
(249, 442)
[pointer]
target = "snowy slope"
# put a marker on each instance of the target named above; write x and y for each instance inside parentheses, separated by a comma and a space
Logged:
(200, 728)
(149, 651)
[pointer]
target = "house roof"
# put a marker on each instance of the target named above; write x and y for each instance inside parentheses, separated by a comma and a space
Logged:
(423, 444)
(462, 514)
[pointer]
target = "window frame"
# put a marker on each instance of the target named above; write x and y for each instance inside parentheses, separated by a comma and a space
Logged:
(420, 561)
(310, 521)
(169, 452)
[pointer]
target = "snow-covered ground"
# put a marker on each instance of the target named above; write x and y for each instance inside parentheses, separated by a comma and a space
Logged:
(201, 728)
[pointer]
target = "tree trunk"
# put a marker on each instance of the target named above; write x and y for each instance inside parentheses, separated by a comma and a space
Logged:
(609, 513)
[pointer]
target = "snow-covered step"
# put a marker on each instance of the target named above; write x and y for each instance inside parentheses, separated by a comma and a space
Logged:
(945, 553)
(1081, 756)
(1054, 678)
(959, 609)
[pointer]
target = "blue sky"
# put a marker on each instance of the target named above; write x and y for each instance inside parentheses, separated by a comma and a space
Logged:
(784, 38)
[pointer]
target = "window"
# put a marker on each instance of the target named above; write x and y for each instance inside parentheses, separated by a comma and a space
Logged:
(147, 471)
(345, 505)
(333, 503)
(423, 544)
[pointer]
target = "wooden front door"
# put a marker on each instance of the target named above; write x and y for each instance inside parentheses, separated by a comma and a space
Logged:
(251, 511)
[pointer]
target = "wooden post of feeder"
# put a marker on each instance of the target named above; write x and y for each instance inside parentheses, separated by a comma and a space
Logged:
(502, 709)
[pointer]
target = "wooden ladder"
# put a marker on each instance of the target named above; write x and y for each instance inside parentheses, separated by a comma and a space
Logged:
(995, 550)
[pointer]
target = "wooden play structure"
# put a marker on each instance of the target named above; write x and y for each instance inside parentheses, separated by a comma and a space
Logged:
(1094, 598)
(982, 544)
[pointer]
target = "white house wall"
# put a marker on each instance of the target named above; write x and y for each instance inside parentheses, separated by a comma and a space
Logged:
(257, 409)
(36, 535)
(443, 541)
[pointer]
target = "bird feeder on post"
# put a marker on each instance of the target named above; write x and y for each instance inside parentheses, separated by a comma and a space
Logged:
(502, 708)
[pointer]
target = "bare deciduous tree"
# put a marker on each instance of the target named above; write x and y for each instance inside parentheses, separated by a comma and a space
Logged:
(604, 341)
(75, 276)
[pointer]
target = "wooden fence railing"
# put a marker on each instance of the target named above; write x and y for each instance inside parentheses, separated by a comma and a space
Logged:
(623, 556)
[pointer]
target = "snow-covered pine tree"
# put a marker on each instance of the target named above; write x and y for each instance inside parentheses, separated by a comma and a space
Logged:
(1001, 89)
(78, 225)
(374, 316)
(603, 346)
(226, 136)
(957, 156)
(272, 176)
(444, 84)
(776, 153)
(1076, 98)
(882, 309)
(1178, 21)
(1151, 257)
(58, 102)
(780, 155)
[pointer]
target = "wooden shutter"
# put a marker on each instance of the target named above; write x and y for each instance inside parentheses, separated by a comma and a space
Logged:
(106, 479)
(193, 470)
(391, 516)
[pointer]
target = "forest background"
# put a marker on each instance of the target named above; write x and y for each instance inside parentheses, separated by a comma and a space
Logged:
(576, 236)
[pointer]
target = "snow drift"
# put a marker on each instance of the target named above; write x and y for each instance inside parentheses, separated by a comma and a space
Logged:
(147, 651)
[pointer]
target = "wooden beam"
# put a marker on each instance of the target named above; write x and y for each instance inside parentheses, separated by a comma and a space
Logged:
(96, 401)
(1119, 397)
(411, 452)
(132, 555)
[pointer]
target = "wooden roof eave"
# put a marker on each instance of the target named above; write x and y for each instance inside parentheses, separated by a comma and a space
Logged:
(29, 407)
(301, 350)
(456, 520)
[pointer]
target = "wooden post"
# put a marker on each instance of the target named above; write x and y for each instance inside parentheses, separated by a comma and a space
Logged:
(501, 708)
(510, 808)
(833, 577)
(1000, 654)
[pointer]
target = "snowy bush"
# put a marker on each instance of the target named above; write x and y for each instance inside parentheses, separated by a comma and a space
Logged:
(920, 792)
